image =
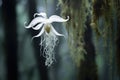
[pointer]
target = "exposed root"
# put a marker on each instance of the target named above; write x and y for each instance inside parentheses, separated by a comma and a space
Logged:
(49, 42)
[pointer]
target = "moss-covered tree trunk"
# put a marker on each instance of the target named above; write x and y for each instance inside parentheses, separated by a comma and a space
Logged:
(104, 22)
(104, 17)
(88, 68)
(80, 37)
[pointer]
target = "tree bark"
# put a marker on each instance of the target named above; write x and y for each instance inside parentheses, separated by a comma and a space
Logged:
(9, 18)
(118, 37)
(88, 68)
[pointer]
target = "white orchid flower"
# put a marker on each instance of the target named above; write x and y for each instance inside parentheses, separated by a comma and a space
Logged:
(49, 36)
(45, 23)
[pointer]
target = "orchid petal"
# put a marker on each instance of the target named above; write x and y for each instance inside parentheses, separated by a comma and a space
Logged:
(35, 21)
(41, 14)
(55, 18)
(38, 26)
(41, 32)
(55, 32)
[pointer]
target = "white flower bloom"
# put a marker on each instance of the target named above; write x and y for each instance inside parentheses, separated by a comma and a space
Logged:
(49, 36)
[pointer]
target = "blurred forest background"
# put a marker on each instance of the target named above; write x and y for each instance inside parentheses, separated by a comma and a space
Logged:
(91, 51)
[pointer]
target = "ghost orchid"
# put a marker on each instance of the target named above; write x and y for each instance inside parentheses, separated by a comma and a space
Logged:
(49, 36)
(45, 23)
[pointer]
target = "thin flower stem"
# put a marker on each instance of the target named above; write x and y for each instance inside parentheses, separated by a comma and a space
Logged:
(46, 6)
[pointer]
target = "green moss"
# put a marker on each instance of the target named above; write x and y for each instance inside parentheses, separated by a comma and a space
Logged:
(99, 10)
(76, 26)
(106, 11)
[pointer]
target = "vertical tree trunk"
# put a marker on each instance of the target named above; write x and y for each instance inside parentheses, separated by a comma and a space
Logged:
(88, 68)
(79, 10)
(9, 16)
(118, 53)
(118, 37)
(39, 59)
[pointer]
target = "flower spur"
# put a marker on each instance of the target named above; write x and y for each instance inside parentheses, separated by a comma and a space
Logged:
(49, 36)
